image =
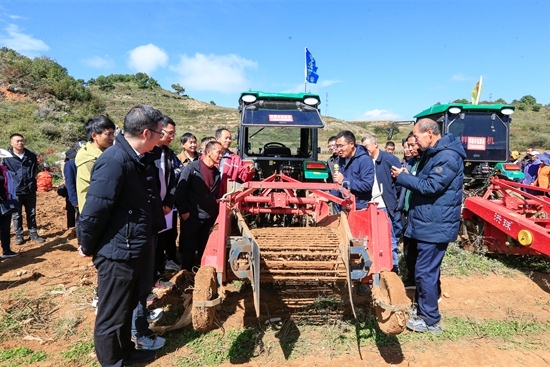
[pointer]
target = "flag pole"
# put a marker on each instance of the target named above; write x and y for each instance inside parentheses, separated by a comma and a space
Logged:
(479, 88)
(305, 69)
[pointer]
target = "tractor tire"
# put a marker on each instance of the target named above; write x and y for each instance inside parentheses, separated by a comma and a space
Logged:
(391, 304)
(205, 289)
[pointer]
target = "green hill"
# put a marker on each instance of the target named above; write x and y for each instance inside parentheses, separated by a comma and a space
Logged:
(49, 107)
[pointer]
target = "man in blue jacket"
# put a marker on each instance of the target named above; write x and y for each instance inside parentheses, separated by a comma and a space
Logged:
(434, 214)
(384, 183)
(115, 227)
(355, 167)
(23, 168)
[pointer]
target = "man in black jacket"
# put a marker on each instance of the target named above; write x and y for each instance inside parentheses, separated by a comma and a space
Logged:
(116, 226)
(24, 168)
(196, 194)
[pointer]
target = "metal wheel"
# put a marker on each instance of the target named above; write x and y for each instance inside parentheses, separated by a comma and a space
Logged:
(203, 313)
(391, 303)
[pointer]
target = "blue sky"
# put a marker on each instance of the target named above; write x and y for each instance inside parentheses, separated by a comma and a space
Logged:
(376, 59)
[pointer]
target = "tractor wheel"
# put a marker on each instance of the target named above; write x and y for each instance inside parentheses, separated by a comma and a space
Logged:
(391, 304)
(205, 289)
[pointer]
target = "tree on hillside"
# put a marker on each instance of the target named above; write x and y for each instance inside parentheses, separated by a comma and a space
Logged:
(501, 101)
(530, 100)
(179, 89)
(463, 101)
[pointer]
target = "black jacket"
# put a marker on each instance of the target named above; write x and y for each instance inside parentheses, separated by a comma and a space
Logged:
(116, 221)
(169, 174)
(23, 171)
(192, 194)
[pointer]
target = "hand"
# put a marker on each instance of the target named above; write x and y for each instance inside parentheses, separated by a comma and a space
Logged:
(251, 168)
(396, 171)
(166, 209)
(338, 178)
(81, 253)
(184, 216)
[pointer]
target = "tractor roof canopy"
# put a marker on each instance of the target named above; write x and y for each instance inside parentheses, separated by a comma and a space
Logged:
(280, 109)
(441, 108)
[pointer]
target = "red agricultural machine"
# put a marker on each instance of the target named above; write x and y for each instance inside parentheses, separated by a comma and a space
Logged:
(278, 228)
(509, 218)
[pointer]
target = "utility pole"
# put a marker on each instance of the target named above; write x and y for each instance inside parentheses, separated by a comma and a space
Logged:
(326, 105)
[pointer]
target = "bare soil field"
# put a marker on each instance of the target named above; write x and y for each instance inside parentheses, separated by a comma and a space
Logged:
(46, 294)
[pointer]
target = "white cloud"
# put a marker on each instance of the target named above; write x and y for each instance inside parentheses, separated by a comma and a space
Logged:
(224, 74)
(379, 115)
(16, 17)
(461, 78)
(22, 43)
(99, 62)
(147, 59)
(328, 83)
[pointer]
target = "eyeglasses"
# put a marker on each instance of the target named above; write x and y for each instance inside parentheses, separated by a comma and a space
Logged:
(331, 146)
(340, 146)
(161, 134)
(169, 134)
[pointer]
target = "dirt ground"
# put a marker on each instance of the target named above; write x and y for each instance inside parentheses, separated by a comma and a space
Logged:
(52, 285)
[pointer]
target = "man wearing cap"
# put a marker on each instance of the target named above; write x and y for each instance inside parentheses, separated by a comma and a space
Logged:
(514, 157)
(24, 169)
(531, 171)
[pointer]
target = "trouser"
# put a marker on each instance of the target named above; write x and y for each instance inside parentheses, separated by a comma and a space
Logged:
(145, 282)
(410, 251)
(72, 214)
(117, 290)
(427, 273)
(194, 241)
(5, 222)
(29, 202)
(167, 244)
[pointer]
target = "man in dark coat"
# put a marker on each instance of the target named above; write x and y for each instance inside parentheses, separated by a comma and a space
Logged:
(355, 167)
(434, 214)
(23, 168)
(196, 199)
(115, 227)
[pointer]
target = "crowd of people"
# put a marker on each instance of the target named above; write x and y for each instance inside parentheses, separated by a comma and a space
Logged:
(127, 191)
(421, 194)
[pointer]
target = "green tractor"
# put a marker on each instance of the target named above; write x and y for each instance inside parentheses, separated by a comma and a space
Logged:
(484, 131)
(278, 133)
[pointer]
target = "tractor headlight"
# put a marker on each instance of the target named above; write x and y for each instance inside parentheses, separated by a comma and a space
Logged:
(507, 111)
(312, 101)
(248, 98)
(454, 110)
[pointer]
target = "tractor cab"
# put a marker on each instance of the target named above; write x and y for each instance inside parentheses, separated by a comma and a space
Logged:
(279, 133)
(484, 131)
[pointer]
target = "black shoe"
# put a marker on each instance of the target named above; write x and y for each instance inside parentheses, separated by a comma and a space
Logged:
(36, 238)
(19, 240)
(140, 356)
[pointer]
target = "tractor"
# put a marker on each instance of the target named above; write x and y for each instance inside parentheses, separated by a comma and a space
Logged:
(278, 227)
(484, 131)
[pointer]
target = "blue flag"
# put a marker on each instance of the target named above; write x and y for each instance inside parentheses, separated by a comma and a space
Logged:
(311, 68)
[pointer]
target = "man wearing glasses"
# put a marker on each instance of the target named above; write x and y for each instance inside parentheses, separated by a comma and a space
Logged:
(355, 167)
(116, 228)
(167, 163)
